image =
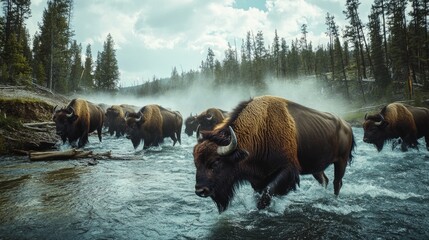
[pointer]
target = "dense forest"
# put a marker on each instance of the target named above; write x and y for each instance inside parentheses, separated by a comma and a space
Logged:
(380, 56)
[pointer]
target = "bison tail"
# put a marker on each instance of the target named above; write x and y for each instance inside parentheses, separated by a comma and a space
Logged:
(352, 149)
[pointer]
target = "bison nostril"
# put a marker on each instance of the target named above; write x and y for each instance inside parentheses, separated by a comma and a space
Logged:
(202, 191)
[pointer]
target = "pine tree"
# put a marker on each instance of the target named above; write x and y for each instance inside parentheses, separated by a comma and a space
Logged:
(88, 76)
(14, 56)
(259, 65)
(381, 74)
(399, 40)
(417, 37)
(107, 71)
(276, 57)
(53, 46)
(76, 69)
(293, 60)
(247, 71)
(231, 66)
(284, 51)
(338, 67)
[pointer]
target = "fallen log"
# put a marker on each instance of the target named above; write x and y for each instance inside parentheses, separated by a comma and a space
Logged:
(40, 124)
(68, 154)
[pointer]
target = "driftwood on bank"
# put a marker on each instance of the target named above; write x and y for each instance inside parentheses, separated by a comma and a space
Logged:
(39, 126)
(68, 154)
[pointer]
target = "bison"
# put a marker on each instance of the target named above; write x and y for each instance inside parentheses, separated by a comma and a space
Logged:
(151, 124)
(209, 118)
(145, 125)
(191, 124)
(269, 141)
(172, 122)
(77, 120)
(397, 120)
(115, 116)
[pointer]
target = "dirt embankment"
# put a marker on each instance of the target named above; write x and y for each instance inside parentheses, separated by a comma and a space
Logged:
(25, 118)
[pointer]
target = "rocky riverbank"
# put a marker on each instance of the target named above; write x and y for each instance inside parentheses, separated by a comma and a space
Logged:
(25, 118)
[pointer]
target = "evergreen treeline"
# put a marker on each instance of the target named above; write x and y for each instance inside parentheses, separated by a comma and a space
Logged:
(382, 55)
(55, 59)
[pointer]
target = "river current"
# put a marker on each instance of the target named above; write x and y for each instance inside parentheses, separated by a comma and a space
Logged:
(150, 195)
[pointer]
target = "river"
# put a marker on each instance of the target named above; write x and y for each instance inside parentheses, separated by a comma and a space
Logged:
(150, 195)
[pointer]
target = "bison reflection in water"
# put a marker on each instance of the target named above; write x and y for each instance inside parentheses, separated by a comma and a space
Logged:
(397, 120)
(77, 120)
(269, 141)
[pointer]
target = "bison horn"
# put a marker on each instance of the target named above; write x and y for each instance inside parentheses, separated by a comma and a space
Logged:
(226, 150)
(55, 108)
(72, 113)
(381, 121)
(209, 118)
(140, 117)
(366, 116)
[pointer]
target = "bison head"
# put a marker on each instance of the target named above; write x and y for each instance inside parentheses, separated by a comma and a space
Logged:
(191, 125)
(375, 130)
(133, 124)
(206, 121)
(64, 119)
(216, 158)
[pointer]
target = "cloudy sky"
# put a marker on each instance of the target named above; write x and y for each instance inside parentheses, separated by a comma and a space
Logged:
(153, 36)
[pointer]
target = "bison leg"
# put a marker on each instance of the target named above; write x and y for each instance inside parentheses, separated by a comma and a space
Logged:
(83, 140)
(404, 146)
(340, 169)
(427, 142)
(321, 178)
(285, 181)
(99, 131)
(178, 133)
(173, 137)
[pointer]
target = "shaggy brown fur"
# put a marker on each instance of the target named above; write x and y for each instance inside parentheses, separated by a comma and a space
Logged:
(172, 124)
(148, 129)
(86, 118)
(209, 118)
(115, 116)
(397, 120)
(276, 141)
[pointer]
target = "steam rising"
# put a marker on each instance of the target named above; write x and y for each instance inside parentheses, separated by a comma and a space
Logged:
(201, 95)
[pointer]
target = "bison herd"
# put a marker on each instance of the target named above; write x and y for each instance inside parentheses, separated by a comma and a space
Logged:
(267, 141)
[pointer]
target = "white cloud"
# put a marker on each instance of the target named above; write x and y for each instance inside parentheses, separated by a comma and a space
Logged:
(151, 37)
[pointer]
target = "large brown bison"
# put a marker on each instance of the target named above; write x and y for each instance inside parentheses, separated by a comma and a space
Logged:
(397, 120)
(77, 120)
(115, 116)
(171, 124)
(209, 118)
(145, 125)
(152, 124)
(269, 141)
(191, 124)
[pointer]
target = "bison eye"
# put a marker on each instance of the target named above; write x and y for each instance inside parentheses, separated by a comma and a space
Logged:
(213, 165)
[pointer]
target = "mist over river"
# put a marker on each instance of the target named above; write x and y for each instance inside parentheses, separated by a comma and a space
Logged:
(150, 195)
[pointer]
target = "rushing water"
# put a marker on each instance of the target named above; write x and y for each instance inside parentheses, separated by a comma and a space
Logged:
(150, 195)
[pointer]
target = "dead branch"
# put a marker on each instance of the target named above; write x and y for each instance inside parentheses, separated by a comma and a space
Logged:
(39, 124)
(68, 154)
